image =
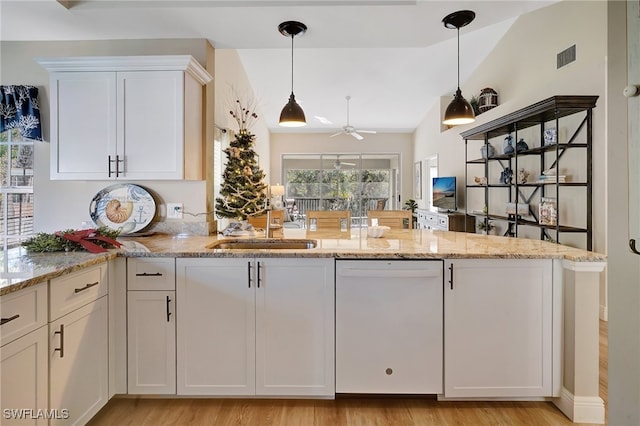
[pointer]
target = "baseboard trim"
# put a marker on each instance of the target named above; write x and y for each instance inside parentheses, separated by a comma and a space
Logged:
(580, 409)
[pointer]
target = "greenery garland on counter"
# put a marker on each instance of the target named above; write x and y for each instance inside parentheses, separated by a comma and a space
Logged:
(50, 242)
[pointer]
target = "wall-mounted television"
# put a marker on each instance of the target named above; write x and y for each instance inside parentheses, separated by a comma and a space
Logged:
(444, 193)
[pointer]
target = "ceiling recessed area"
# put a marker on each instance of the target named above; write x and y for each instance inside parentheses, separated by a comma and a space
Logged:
(394, 58)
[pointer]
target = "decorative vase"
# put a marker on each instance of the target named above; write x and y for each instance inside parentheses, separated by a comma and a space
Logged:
(507, 147)
(487, 151)
(488, 99)
(521, 146)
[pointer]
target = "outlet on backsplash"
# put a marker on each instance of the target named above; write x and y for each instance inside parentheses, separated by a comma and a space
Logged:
(174, 210)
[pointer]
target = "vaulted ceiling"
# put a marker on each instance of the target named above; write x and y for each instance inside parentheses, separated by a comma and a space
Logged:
(394, 58)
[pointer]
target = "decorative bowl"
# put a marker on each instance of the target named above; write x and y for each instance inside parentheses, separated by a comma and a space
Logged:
(376, 231)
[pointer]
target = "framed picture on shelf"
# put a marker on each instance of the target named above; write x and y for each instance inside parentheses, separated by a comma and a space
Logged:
(548, 211)
(417, 180)
(550, 136)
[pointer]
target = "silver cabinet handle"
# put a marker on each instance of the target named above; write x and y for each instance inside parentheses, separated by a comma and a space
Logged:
(61, 348)
(88, 286)
(109, 161)
(6, 320)
(118, 161)
(259, 278)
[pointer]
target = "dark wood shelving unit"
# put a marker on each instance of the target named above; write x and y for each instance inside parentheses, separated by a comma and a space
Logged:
(544, 114)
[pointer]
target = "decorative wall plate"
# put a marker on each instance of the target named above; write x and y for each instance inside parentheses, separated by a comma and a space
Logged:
(123, 207)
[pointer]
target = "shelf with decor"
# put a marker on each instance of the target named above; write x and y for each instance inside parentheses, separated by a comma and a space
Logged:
(534, 175)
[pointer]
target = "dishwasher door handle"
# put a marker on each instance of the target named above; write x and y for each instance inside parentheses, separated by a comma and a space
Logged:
(386, 273)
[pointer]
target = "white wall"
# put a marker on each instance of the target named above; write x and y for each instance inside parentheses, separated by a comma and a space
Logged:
(623, 266)
(314, 143)
(231, 82)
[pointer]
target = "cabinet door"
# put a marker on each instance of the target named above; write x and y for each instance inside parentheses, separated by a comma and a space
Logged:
(389, 326)
(151, 124)
(295, 327)
(83, 124)
(498, 328)
(151, 342)
(78, 362)
(24, 379)
(216, 327)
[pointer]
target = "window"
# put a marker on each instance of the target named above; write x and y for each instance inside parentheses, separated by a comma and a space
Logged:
(355, 182)
(19, 127)
(16, 188)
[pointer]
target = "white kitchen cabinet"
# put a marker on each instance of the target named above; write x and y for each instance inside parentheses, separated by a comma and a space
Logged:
(389, 326)
(24, 356)
(78, 362)
(151, 325)
(255, 326)
(24, 377)
(127, 118)
(78, 344)
(151, 342)
(498, 328)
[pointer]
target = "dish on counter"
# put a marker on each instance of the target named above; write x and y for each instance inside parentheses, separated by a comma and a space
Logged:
(124, 207)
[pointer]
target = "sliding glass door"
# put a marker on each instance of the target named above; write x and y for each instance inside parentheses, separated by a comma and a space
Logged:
(356, 182)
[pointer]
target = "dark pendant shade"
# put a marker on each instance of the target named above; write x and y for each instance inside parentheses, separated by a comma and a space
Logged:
(292, 114)
(459, 111)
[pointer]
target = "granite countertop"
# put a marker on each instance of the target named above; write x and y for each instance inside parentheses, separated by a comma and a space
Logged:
(405, 244)
(21, 269)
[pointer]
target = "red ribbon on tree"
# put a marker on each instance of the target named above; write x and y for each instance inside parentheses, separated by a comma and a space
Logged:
(84, 236)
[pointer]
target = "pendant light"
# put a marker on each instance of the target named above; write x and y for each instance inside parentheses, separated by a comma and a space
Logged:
(292, 114)
(459, 110)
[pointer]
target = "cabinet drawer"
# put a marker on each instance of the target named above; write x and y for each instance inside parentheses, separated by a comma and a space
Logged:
(70, 292)
(151, 274)
(23, 312)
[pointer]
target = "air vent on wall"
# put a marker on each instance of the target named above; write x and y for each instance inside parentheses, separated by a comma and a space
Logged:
(566, 56)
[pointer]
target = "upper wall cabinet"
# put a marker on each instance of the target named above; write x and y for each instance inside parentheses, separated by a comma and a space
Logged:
(133, 117)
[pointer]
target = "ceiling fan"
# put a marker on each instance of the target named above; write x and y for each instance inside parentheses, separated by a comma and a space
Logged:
(338, 164)
(350, 130)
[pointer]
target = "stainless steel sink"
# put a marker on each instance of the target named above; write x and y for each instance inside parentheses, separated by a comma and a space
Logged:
(269, 244)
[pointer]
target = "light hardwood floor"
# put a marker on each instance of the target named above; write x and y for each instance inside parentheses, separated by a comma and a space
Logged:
(396, 411)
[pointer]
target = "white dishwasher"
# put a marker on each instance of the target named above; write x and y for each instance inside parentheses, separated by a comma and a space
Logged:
(389, 326)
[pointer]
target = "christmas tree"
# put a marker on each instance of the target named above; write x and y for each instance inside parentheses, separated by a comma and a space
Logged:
(243, 190)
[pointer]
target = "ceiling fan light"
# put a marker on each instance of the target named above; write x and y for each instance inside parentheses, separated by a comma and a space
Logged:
(459, 111)
(292, 114)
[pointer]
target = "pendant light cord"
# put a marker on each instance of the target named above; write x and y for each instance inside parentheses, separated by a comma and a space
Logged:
(458, 29)
(292, 63)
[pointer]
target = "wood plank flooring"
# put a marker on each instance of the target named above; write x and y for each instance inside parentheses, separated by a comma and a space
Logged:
(390, 411)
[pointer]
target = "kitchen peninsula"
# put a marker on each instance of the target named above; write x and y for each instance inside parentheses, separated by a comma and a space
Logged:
(514, 318)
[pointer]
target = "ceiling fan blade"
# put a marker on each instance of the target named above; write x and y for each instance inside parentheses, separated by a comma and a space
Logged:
(336, 134)
(357, 136)
(367, 131)
(347, 164)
